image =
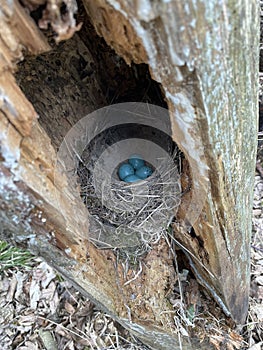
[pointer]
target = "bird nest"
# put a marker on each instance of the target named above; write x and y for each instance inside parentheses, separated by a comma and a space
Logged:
(130, 214)
(126, 215)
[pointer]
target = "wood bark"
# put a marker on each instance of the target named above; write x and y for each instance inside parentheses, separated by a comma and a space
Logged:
(204, 55)
(194, 51)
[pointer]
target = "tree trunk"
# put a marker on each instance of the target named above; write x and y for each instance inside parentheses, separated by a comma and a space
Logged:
(204, 55)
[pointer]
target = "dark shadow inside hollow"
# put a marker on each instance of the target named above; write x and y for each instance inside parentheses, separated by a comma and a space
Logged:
(79, 76)
(132, 130)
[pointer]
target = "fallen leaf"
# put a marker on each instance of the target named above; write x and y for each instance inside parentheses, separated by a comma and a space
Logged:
(259, 280)
(69, 308)
(48, 340)
(34, 294)
(258, 310)
(257, 346)
(28, 346)
(44, 274)
(4, 284)
(20, 277)
(6, 313)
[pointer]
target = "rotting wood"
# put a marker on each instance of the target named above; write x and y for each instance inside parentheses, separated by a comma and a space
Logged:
(31, 214)
(194, 51)
(18, 31)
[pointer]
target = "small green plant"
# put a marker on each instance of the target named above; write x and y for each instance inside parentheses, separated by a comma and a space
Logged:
(12, 257)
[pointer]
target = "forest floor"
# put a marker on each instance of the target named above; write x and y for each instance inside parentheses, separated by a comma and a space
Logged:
(39, 310)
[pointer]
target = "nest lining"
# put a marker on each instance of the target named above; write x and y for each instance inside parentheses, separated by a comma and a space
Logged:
(158, 196)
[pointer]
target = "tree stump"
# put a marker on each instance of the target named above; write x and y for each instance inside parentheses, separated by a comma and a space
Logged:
(200, 59)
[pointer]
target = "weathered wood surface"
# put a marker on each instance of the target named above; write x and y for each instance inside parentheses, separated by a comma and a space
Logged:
(205, 57)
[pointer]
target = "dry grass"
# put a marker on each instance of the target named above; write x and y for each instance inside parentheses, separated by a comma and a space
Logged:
(138, 213)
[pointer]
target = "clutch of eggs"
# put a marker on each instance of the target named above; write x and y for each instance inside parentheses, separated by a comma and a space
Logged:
(134, 170)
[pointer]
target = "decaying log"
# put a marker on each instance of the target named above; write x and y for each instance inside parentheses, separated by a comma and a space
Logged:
(197, 53)
(204, 55)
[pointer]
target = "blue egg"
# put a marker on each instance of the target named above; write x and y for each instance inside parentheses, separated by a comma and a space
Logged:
(144, 172)
(136, 161)
(125, 170)
(132, 178)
